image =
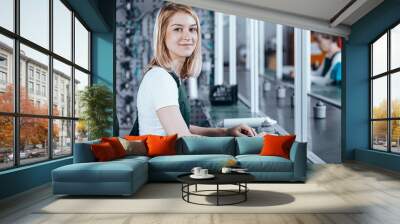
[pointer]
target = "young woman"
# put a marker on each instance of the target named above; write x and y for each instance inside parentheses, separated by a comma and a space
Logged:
(330, 72)
(163, 107)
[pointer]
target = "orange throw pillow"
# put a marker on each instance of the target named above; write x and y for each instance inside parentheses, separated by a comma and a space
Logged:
(116, 145)
(277, 145)
(103, 152)
(161, 145)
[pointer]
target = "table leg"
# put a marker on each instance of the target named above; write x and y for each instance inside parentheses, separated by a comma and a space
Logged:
(196, 188)
(245, 192)
(217, 194)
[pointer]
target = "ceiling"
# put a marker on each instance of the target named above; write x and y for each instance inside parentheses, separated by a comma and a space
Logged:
(327, 16)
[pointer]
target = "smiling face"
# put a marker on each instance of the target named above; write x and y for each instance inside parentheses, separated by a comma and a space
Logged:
(181, 36)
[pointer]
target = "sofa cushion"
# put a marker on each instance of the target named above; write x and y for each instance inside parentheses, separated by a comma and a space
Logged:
(277, 145)
(248, 145)
(206, 145)
(161, 145)
(257, 163)
(103, 152)
(111, 171)
(185, 163)
(134, 147)
(116, 145)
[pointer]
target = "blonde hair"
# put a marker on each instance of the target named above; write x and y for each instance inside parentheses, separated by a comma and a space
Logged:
(192, 65)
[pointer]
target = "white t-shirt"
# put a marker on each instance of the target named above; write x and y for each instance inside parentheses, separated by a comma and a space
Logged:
(157, 90)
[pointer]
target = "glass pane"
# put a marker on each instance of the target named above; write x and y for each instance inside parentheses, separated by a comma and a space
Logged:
(62, 89)
(395, 95)
(379, 135)
(379, 98)
(81, 81)
(379, 55)
(395, 47)
(34, 97)
(81, 131)
(395, 136)
(35, 21)
(6, 74)
(7, 14)
(62, 141)
(62, 29)
(33, 139)
(6, 142)
(81, 45)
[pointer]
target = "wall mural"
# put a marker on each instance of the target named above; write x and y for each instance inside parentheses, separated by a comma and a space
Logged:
(134, 39)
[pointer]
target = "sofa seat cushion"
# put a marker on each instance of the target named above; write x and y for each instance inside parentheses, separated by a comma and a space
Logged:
(112, 171)
(257, 163)
(185, 163)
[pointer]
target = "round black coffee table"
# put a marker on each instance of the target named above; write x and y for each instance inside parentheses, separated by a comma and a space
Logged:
(238, 179)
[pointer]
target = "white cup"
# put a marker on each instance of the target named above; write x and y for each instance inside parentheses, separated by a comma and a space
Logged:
(203, 172)
(226, 170)
(196, 170)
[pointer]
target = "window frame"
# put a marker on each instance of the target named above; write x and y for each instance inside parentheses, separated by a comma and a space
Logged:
(16, 114)
(388, 74)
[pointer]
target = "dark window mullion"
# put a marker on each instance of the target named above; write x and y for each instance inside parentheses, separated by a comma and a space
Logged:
(371, 137)
(73, 82)
(16, 83)
(50, 87)
(389, 113)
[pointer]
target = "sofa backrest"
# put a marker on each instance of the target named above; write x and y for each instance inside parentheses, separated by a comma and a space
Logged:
(206, 145)
(247, 145)
(83, 152)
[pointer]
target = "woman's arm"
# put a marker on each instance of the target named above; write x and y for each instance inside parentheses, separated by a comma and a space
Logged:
(238, 131)
(172, 121)
(212, 132)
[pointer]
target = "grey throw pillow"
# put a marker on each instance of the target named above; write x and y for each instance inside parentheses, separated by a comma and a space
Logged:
(135, 147)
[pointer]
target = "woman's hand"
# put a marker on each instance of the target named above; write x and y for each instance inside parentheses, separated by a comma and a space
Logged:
(241, 131)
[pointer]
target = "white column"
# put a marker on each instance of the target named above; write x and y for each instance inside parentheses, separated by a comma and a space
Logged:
(254, 99)
(232, 50)
(219, 48)
(261, 47)
(302, 53)
(279, 51)
(193, 88)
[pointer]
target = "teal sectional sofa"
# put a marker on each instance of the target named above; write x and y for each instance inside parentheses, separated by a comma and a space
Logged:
(125, 176)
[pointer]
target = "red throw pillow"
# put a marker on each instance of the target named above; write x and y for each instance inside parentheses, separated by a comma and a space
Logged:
(277, 145)
(161, 145)
(116, 145)
(103, 151)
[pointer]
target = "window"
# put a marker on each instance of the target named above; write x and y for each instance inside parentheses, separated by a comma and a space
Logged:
(43, 77)
(43, 90)
(7, 14)
(385, 97)
(3, 61)
(35, 22)
(6, 87)
(37, 74)
(3, 78)
(3, 72)
(81, 45)
(30, 87)
(54, 126)
(38, 89)
(30, 72)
